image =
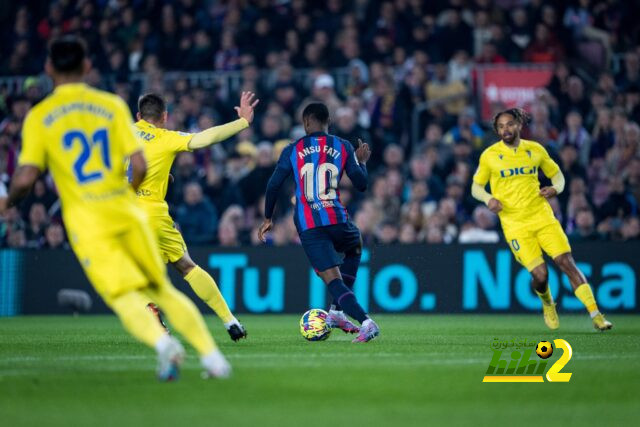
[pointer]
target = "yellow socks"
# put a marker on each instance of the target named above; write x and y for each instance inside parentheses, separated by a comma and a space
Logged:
(546, 297)
(206, 288)
(136, 319)
(183, 316)
(585, 295)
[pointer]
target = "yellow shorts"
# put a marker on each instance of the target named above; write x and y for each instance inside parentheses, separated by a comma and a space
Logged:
(527, 244)
(172, 246)
(122, 262)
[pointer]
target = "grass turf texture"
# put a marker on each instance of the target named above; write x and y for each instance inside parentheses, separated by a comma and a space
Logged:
(421, 370)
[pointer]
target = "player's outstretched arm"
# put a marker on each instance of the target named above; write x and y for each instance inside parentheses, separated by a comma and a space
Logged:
(356, 166)
(21, 183)
(217, 134)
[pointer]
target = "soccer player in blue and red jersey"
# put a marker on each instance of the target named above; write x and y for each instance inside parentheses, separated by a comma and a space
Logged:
(317, 162)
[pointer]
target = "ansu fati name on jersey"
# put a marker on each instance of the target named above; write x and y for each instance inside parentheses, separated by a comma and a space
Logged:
(330, 151)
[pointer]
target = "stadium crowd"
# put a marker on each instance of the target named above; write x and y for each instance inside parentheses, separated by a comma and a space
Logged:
(397, 54)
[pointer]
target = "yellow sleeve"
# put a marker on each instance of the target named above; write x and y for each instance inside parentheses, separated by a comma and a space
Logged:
(33, 143)
(479, 193)
(124, 130)
(548, 166)
(178, 141)
(483, 173)
(217, 134)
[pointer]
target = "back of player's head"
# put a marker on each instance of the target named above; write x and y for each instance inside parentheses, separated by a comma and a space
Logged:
(151, 107)
(518, 114)
(316, 111)
(67, 55)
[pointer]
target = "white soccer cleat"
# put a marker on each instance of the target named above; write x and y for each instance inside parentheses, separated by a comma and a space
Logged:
(368, 331)
(169, 360)
(215, 365)
(337, 319)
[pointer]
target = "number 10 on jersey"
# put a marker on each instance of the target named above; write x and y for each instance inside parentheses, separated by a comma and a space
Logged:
(325, 178)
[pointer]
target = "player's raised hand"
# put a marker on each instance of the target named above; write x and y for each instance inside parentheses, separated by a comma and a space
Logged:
(494, 205)
(548, 192)
(363, 152)
(247, 104)
(265, 227)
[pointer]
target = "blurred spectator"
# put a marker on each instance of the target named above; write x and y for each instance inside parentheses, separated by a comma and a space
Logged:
(544, 47)
(482, 229)
(54, 237)
(585, 227)
(576, 135)
(253, 185)
(451, 93)
(38, 221)
(196, 216)
(228, 234)
(631, 228)
(467, 129)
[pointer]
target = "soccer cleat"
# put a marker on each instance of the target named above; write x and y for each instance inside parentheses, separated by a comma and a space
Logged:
(156, 312)
(169, 361)
(600, 323)
(368, 331)
(215, 365)
(236, 331)
(551, 316)
(337, 319)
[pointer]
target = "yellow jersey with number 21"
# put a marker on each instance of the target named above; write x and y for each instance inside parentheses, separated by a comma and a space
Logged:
(83, 136)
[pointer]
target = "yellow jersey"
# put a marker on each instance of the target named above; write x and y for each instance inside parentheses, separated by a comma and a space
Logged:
(160, 149)
(513, 177)
(83, 136)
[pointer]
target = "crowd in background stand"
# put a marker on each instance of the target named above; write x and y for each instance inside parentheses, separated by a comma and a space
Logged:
(398, 54)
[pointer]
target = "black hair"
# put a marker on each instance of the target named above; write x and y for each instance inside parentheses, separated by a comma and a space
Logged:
(151, 106)
(318, 111)
(67, 54)
(518, 114)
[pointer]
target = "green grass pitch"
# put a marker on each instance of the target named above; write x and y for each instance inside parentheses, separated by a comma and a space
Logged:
(422, 370)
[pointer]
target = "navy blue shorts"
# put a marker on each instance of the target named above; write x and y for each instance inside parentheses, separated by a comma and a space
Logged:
(324, 245)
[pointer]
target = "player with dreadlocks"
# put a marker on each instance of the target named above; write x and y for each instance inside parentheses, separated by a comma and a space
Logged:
(511, 168)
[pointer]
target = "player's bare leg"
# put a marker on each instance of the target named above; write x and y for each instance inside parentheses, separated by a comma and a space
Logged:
(540, 284)
(347, 300)
(583, 291)
(207, 289)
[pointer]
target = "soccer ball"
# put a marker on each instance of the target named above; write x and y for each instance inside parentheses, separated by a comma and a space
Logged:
(313, 325)
(544, 349)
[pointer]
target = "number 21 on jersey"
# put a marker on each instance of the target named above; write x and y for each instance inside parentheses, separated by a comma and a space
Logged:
(99, 138)
(326, 185)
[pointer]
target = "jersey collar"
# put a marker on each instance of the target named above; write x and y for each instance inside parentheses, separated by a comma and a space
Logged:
(70, 86)
(519, 148)
(144, 123)
(318, 134)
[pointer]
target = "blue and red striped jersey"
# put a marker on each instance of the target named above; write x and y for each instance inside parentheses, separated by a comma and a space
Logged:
(317, 162)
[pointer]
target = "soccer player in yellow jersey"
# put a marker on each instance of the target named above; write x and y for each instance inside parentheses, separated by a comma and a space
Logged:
(82, 136)
(511, 168)
(160, 149)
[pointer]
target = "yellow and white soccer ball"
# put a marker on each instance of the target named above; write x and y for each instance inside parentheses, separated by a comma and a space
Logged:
(544, 349)
(313, 325)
